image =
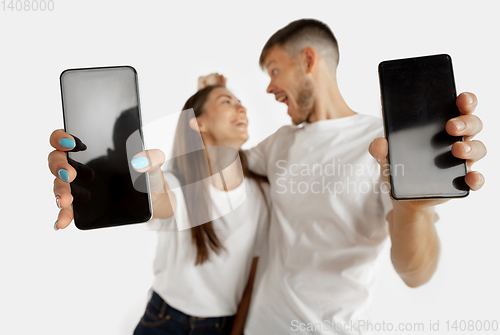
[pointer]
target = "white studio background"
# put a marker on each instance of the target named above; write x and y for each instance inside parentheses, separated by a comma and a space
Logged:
(95, 282)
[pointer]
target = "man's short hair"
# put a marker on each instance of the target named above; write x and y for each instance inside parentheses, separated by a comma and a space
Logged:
(300, 34)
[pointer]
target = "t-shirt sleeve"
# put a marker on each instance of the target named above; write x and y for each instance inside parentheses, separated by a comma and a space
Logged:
(258, 157)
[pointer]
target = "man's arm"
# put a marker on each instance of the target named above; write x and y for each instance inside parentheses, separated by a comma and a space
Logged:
(415, 244)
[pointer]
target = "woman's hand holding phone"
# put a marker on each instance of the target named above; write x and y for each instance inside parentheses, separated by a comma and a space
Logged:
(64, 173)
(147, 161)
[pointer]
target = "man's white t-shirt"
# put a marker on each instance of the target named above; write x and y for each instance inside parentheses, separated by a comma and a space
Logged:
(327, 226)
(214, 288)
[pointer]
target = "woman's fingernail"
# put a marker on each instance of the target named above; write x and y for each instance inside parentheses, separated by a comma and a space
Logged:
(467, 147)
(58, 201)
(67, 143)
(55, 226)
(64, 175)
(139, 162)
(459, 124)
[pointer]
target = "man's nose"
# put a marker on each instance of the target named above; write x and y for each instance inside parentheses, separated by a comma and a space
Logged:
(270, 88)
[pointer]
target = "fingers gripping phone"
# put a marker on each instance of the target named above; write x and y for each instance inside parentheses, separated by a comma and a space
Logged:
(101, 108)
(418, 98)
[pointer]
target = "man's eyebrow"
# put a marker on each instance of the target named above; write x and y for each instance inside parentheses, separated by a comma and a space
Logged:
(267, 65)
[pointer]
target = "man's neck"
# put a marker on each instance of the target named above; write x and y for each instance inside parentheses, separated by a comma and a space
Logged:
(328, 102)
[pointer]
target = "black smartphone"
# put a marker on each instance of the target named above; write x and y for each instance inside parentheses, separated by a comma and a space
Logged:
(418, 98)
(101, 108)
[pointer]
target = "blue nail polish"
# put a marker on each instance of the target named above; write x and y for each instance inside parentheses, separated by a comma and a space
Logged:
(139, 162)
(55, 228)
(67, 143)
(63, 174)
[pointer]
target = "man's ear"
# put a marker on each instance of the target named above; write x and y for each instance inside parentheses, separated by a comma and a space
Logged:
(310, 58)
(193, 124)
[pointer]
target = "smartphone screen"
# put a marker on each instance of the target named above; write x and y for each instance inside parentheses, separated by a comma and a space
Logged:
(418, 98)
(101, 108)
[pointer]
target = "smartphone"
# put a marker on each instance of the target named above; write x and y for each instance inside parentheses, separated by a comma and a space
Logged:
(418, 98)
(101, 108)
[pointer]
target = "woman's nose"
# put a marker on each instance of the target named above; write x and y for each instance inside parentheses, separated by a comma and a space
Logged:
(241, 109)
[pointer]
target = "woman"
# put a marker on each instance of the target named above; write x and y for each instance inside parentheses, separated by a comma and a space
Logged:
(203, 275)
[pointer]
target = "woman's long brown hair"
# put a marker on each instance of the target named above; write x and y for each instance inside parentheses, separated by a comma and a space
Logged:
(193, 167)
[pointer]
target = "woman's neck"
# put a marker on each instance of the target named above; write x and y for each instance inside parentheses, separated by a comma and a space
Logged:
(225, 160)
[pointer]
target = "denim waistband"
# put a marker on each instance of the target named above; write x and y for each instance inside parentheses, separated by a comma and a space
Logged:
(167, 309)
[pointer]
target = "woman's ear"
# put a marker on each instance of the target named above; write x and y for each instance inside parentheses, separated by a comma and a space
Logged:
(193, 124)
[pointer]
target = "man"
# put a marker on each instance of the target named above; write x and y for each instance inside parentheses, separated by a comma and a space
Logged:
(331, 213)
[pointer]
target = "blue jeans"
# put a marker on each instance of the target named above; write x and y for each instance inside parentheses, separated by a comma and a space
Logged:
(162, 319)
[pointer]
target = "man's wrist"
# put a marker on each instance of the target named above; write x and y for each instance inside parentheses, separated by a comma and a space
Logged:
(409, 212)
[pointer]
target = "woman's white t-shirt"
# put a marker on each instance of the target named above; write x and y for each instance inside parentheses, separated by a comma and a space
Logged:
(215, 287)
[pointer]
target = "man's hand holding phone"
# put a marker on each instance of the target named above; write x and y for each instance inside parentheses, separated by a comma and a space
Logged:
(466, 125)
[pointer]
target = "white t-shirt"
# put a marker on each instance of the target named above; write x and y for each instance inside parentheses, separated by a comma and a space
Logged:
(214, 288)
(327, 226)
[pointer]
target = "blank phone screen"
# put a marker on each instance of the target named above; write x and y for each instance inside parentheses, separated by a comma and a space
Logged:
(418, 98)
(101, 108)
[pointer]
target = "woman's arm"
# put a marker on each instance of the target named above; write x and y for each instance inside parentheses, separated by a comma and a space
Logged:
(163, 203)
(241, 315)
